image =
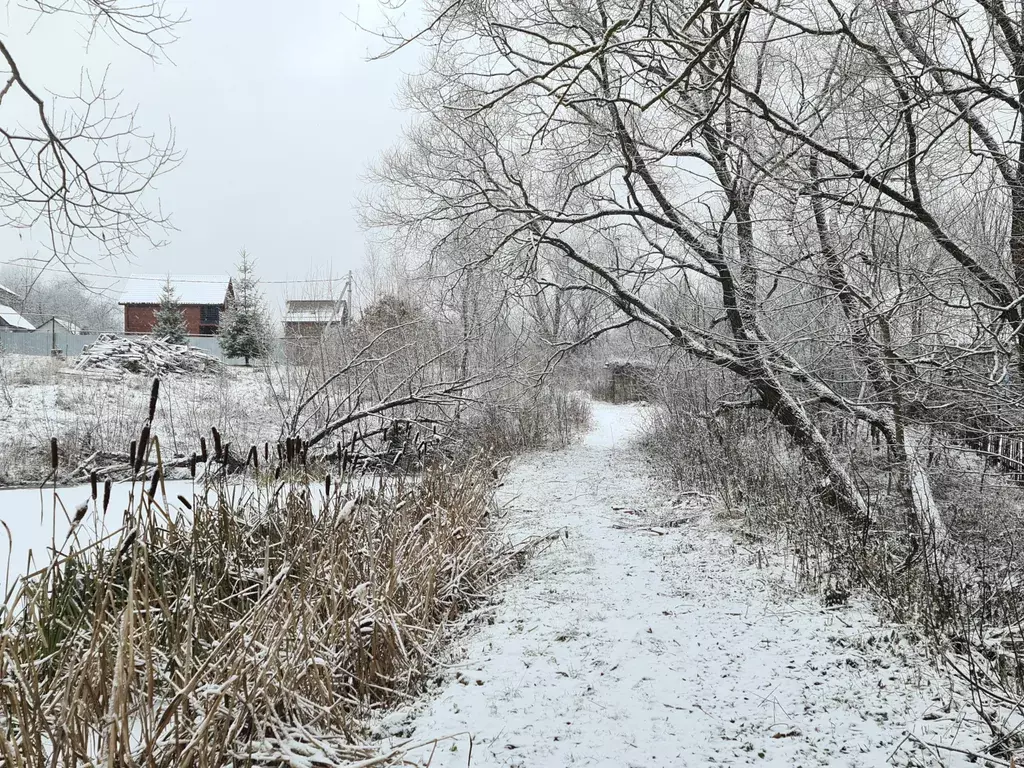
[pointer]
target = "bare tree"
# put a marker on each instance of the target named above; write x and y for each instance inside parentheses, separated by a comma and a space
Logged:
(78, 168)
(783, 178)
(58, 294)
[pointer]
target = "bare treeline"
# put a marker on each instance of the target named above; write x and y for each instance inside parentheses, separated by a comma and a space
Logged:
(825, 199)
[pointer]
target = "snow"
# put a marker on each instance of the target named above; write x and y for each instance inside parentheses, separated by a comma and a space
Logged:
(86, 415)
(8, 317)
(5, 291)
(188, 289)
(34, 520)
(644, 636)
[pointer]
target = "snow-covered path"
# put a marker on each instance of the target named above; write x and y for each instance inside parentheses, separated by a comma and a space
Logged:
(624, 646)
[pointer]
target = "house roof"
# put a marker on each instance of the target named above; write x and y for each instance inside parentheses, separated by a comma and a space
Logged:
(10, 318)
(312, 315)
(65, 324)
(188, 289)
(325, 303)
(5, 290)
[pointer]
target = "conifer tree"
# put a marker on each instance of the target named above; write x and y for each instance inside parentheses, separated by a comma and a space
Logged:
(170, 319)
(245, 331)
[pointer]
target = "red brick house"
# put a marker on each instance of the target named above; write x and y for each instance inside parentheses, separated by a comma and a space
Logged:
(202, 298)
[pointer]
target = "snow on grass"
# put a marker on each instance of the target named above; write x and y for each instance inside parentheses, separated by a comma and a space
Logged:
(88, 415)
(642, 636)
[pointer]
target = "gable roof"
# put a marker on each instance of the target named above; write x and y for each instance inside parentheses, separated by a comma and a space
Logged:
(314, 310)
(189, 289)
(10, 318)
(67, 325)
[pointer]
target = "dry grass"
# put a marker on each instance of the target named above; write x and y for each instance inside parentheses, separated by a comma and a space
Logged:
(262, 618)
(540, 417)
(242, 632)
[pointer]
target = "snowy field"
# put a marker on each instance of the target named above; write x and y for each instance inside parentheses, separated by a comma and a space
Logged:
(88, 415)
(643, 636)
(639, 634)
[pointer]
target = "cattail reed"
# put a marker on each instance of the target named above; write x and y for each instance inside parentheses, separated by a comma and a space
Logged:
(53, 453)
(80, 513)
(253, 458)
(203, 454)
(192, 466)
(196, 582)
(154, 393)
(108, 485)
(290, 449)
(93, 483)
(127, 544)
(140, 454)
(217, 447)
(266, 452)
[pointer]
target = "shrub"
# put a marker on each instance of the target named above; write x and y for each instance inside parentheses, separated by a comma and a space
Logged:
(543, 417)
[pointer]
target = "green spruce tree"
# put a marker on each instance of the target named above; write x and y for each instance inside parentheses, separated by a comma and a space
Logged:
(245, 330)
(170, 319)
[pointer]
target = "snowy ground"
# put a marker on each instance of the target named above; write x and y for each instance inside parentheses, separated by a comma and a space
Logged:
(88, 415)
(643, 636)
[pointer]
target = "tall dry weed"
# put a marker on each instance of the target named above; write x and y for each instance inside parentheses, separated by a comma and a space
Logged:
(244, 626)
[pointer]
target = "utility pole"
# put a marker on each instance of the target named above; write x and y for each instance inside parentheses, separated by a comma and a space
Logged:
(348, 298)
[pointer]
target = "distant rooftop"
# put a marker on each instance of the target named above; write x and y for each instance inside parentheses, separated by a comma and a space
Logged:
(312, 315)
(10, 318)
(67, 325)
(188, 289)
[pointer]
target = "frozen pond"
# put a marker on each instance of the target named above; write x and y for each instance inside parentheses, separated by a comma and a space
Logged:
(34, 521)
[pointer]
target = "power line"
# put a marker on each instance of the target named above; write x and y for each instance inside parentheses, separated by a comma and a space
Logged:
(162, 278)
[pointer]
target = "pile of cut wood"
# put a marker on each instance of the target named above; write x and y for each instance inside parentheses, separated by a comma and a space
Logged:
(143, 354)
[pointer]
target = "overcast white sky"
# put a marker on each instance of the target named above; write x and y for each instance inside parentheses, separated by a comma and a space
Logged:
(279, 113)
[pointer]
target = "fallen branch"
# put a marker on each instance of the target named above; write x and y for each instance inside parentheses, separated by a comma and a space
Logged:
(930, 745)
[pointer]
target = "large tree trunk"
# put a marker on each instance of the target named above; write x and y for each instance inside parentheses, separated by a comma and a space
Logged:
(882, 375)
(916, 486)
(838, 486)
